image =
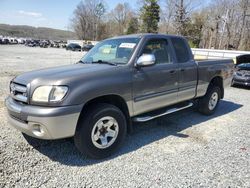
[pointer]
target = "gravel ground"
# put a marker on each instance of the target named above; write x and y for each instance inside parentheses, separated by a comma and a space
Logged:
(184, 149)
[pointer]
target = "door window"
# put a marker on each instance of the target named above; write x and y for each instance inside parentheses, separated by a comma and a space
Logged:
(181, 50)
(160, 49)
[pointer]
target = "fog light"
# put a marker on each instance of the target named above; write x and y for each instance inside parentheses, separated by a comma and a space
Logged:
(37, 130)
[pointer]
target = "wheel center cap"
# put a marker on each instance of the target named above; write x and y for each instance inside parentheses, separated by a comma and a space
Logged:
(103, 131)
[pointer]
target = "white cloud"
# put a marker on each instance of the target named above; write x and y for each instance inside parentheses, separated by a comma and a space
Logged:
(33, 14)
(14, 17)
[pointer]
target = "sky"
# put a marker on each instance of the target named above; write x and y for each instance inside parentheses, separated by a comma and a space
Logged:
(43, 13)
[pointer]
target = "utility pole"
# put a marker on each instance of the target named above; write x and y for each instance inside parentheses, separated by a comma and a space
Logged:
(180, 17)
(223, 29)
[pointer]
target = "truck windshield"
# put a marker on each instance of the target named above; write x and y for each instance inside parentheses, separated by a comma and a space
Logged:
(117, 51)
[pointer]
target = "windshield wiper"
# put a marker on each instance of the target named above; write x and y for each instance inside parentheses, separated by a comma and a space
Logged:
(81, 61)
(104, 62)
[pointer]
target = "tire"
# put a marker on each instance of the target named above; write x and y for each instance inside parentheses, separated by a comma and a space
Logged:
(208, 104)
(88, 135)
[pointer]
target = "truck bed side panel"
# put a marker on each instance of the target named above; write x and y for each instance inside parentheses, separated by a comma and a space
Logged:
(209, 69)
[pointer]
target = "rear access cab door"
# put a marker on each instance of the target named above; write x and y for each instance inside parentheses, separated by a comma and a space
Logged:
(187, 69)
(155, 86)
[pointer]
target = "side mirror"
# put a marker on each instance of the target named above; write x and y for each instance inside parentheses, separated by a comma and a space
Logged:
(146, 60)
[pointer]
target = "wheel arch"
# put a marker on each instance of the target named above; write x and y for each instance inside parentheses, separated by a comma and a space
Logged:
(112, 99)
(217, 81)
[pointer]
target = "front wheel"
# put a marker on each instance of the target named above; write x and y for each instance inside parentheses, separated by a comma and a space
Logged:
(208, 104)
(100, 131)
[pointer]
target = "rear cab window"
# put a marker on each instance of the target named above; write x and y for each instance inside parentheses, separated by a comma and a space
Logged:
(181, 49)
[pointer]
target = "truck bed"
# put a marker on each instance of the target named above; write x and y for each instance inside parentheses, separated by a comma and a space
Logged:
(207, 69)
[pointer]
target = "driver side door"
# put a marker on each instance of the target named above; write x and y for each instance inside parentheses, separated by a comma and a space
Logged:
(155, 86)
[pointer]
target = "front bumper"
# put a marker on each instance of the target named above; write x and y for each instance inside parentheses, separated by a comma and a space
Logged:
(244, 82)
(43, 122)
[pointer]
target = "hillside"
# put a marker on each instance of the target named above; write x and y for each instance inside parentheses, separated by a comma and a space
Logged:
(35, 32)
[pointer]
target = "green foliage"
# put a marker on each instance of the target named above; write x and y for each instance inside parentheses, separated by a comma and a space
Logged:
(150, 15)
(192, 44)
(133, 26)
(194, 29)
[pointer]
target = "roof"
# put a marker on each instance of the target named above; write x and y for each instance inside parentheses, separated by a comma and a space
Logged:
(140, 35)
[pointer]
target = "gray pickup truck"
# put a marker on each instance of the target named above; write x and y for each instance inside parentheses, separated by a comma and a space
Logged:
(122, 80)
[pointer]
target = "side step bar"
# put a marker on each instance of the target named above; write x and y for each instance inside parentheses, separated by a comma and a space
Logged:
(169, 111)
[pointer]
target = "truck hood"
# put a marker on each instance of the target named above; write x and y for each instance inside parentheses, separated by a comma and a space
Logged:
(60, 75)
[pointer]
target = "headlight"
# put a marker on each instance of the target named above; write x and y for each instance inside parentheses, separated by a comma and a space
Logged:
(49, 93)
(58, 92)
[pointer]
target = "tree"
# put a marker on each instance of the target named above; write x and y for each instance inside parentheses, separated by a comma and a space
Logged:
(194, 28)
(121, 14)
(181, 18)
(168, 13)
(99, 12)
(221, 24)
(225, 25)
(87, 17)
(133, 26)
(150, 15)
(244, 8)
(79, 21)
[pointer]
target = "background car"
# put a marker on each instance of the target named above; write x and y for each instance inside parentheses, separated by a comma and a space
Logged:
(32, 43)
(242, 71)
(5, 41)
(44, 44)
(73, 47)
(87, 47)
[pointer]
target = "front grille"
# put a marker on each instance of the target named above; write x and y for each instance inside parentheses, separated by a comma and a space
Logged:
(243, 73)
(238, 74)
(19, 92)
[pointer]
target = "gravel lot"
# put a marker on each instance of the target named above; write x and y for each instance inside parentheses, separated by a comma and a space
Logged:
(184, 149)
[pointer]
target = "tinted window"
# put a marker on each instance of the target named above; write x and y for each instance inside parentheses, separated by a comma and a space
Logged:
(160, 49)
(244, 65)
(74, 45)
(181, 50)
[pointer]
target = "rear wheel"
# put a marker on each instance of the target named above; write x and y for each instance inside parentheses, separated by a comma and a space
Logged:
(100, 131)
(208, 104)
